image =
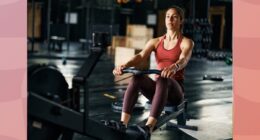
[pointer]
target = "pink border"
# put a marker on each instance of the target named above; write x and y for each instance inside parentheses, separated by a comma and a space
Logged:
(246, 69)
(13, 102)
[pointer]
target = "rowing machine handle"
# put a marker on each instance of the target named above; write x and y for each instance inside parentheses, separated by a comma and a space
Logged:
(141, 72)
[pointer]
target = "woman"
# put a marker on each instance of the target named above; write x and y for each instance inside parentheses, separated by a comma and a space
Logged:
(172, 53)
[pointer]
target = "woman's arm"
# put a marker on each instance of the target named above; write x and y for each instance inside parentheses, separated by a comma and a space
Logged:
(143, 55)
(186, 51)
(186, 47)
(138, 58)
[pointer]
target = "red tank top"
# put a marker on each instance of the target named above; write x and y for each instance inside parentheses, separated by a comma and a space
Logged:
(165, 58)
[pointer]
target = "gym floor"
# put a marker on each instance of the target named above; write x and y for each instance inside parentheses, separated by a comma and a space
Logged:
(210, 102)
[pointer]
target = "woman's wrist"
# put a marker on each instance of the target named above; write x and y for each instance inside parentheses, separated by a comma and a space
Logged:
(175, 68)
(126, 65)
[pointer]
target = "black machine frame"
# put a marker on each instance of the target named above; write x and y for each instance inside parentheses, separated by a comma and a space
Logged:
(71, 119)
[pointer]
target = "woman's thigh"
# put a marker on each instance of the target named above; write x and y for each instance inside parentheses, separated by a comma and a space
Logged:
(175, 92)
(147, 87)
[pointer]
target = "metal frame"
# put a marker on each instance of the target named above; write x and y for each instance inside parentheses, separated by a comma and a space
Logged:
(170, 113)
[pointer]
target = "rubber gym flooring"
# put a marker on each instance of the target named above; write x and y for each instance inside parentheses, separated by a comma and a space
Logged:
(210, 102)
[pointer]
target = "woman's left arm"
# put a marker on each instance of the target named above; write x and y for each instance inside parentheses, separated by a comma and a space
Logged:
(186, 51)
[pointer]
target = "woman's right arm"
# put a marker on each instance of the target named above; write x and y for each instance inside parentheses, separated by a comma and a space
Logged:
(143, 55)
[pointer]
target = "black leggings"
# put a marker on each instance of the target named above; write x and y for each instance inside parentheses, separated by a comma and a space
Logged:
(160, 92)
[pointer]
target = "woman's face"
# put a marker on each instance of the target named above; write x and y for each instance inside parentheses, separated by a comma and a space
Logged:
(172, 19)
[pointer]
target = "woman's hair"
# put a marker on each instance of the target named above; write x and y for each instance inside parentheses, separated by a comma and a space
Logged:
(180, 12)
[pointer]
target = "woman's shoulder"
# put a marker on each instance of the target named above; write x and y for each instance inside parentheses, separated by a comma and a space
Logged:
(156, 40)
(186, 41)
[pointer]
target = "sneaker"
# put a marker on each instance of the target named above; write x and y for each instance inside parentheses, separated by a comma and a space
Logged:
(145, 130)
(138, 132)
(115, 125)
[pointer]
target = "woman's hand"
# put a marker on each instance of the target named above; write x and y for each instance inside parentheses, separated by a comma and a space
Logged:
(167, 72)
(118, 70)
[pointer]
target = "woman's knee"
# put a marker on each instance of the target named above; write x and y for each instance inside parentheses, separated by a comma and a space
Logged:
(136, 79)
(162, 81)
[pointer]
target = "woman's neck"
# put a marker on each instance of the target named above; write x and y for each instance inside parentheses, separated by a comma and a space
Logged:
(171, 35)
